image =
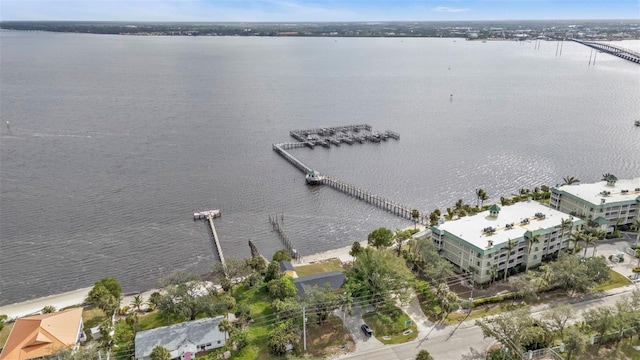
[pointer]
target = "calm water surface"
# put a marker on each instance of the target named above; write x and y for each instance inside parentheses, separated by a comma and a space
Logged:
(114, 141)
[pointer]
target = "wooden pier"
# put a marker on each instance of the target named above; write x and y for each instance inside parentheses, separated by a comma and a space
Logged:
(375, 200)
(210, 215)
(335, 135)
(277, 226)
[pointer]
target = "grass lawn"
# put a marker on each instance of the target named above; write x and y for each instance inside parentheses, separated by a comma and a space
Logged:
(389, 324)
(151, 320)
(328, 338)
(92, 317)
(319, 268)
(482, 311)
(4, 333)
(259, 302)
(616, 280)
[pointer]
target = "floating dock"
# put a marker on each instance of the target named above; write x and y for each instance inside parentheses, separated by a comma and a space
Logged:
(349, 134)
(210, 215)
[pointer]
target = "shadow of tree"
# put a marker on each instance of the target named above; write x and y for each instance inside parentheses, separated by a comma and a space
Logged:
(473, 354)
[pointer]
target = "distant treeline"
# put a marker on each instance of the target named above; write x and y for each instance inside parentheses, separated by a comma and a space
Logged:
(595, 29)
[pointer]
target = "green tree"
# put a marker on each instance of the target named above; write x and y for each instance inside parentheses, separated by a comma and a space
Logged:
(589, 239)
(575, 238)
(273, 271)
(447, 300)
(132, 321)
(380, 238)
(282, 288)
(86, 352)
(377, 276)
(480, 194)
(517, 330)
(575, 343)
(3, 319)
(226, 304)
(637, 255)
(239, 337)
(321, 301)
(523, 287)
(137, 301)
(233, 272)
(225, 326)
(400, 237)
(154, 300)
(258, 264)
(511, 244)
(243, 313)
(282, 255)
(534, 239)
(105, 294)
(600, 320)
(423, 257)
(557, 317)
(415, 214)
(356, 249)
(280, 337)
(48, 309)
(424, 355)
(186, 296)
(568, 180)
(160, 353)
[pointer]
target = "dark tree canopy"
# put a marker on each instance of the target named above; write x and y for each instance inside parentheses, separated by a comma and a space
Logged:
(381, 237)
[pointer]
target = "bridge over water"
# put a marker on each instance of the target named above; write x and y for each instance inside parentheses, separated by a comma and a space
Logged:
(614, 50)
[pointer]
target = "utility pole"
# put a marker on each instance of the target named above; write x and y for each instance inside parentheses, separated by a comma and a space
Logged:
(304, 327)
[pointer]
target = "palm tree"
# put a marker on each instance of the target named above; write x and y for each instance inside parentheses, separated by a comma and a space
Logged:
(509, 246)
(459, 204)
(568, 180)
(563, 225)
(636, 226)
(535, 239)
(225, 326)
(415, 214)
(479, 194)
(493, 272)
(137, 302)
(618, 221)
(599, 235)
(484, 197)
(576, 237)
(589, 240)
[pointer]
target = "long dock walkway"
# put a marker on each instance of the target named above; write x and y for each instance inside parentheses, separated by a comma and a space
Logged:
(614, 50)
(210, 215)
(384, 204)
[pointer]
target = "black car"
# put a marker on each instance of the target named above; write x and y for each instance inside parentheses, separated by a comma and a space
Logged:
(366, 330)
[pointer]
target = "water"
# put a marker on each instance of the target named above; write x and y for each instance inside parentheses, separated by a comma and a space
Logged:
(114, 141)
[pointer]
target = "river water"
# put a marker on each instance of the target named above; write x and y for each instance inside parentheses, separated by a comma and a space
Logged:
(114, 141)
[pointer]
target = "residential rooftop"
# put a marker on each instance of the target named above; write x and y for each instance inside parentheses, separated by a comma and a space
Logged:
(624, 190)
(512, 222)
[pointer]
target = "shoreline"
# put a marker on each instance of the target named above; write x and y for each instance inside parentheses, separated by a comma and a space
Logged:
(76, 297)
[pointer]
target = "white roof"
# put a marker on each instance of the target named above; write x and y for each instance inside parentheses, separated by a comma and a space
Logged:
(592, 193)
(471, 228)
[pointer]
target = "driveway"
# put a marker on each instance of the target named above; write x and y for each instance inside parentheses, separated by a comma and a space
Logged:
(613, 247)
(353, 323)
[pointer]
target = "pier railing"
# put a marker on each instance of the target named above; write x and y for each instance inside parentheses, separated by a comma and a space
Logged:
(210, 215)
(277, 226)
(385, 204)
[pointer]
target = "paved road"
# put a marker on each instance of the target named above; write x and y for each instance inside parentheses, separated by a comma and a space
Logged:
(468, 342)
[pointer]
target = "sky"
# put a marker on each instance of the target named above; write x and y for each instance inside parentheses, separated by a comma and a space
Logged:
(315, 10)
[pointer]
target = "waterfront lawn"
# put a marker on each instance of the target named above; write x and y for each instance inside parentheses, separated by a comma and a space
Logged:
(92, 316)
(616, 280)
(151, 320)
(319, 268)
(259, 302)
(328, 338)
(4, 333)
(388, 325)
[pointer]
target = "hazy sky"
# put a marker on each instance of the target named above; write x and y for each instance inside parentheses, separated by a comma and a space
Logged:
(316, 10)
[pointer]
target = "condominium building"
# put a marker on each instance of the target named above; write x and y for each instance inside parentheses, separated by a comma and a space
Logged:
(609, 202)
(479, 243)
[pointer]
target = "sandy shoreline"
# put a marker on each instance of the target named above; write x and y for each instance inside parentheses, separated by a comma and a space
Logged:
(76, 297)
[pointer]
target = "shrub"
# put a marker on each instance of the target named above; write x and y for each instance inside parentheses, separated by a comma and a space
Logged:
(636, 269)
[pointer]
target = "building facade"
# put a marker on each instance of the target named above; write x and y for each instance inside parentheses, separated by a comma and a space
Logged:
(608, 203)
(499, 239)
